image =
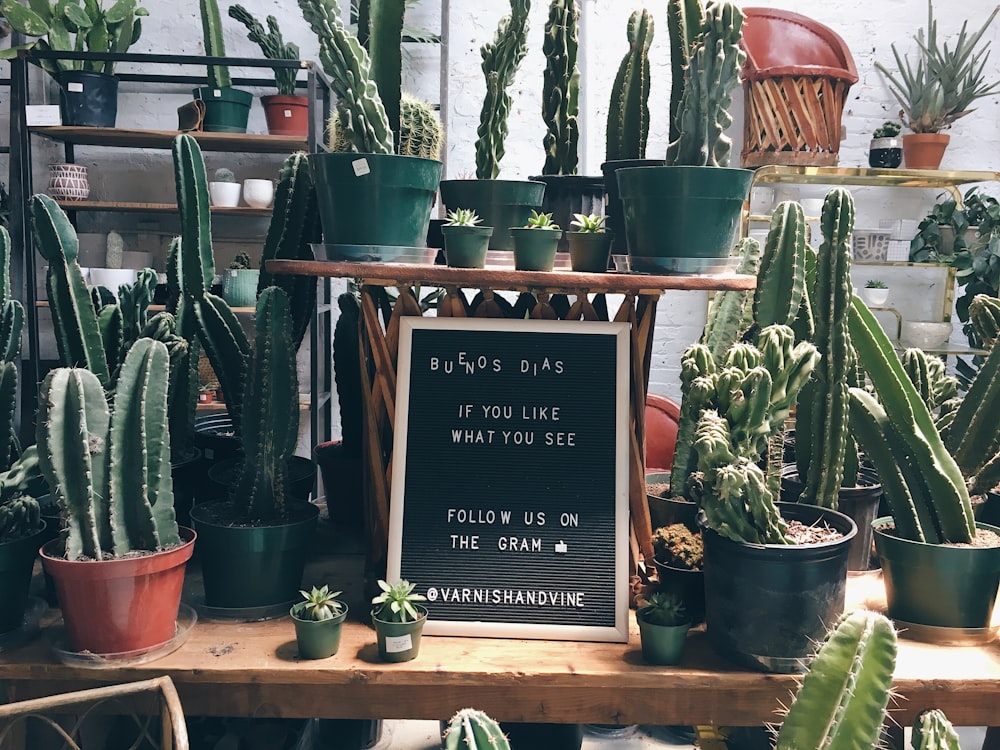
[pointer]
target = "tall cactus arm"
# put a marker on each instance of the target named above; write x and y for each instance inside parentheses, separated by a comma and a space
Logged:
(294, 226)
(697, 394)
(984, 315)
(471, 729)
(560, 88)
(4, 264)
(72, 436)
(731, 313)
(684, 19)
(11, 325)
(933, 731)
(781, 282)
(362, 114)
(973, 429)
(501, 59)
(8, 404)
(842, 700)
(215, 45)
(221, 334)
(142, 502)
(109, 320)
(196, 264)
(628, 112)
(911, 419)
(74, 320)
(385, 48)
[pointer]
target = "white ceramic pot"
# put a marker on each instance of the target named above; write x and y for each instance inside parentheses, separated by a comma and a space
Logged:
(920, 334)
(258, 193)
(68, 182)
(875, 297)
(224, 194)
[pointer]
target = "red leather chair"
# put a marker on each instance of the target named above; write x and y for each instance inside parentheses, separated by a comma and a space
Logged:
(662, 417)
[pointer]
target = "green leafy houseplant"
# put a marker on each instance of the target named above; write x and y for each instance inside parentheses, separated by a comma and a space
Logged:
(272, 44)
(398, 602)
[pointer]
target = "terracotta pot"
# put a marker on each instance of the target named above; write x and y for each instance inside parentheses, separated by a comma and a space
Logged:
(286, 115)
(123, 605)
(924, 150)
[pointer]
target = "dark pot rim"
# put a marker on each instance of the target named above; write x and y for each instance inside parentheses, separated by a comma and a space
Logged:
(879, 524)
(799, 550)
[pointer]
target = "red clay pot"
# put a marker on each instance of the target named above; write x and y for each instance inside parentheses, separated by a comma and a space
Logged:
(122, 605)
(286, 115)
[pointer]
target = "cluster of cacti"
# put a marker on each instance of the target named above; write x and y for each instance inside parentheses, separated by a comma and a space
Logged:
(678, 546)
(730, 313)
(420, 132)
(684, 20)
(561, 89)
(921, 480)
(471, 729)
(933, 731)
(272, 44)
(215, 44)
(930, 377)
(501, 59)
(362, 120)
(628, 112)
(842, 699)
(821, 424)
(110, 472)
(712, 72)
(294, 227)
(19, 517)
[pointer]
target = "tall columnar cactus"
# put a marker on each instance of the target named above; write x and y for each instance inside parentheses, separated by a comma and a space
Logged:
(272, 44)
(561, 88)
(215, 45)
(628, 112)
(501, 59)
(684, 20)
(933, 731)
(781, 281)
(385, 49)
(731, 313)
(294, 226)
(420, 132)
(713, 72)
(920, 479)
(11, 324)
(821, 421)
(270, 415)
(697, 394)
(74, 320)
(471, 729)
(110, 473)
(842, 700)
(362, 117)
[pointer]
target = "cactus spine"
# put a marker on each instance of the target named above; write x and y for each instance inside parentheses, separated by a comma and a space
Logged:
(215, 45)
(561, 88)
(501, 59)
(419, 129)
(842, 700)
(628, 113)
(471, 729)
(933, 731)
(935, 487)
(821, 458)
(712, 73)
(684, 20)
(270, 427)
(362, 117)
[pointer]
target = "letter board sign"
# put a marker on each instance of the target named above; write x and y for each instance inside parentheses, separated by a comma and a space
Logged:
(509, 487)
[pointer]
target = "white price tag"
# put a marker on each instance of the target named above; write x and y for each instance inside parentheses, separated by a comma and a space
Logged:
(288, 113)
(395, 644)
(217, 92)
(232, 272)
(360, 167)
(75, 86)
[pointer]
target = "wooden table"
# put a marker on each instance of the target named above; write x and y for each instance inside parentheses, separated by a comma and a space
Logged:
(252, 669)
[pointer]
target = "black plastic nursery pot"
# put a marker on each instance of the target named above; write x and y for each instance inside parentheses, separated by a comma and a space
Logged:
(301, 476)
(937, 585)
(17, 559)
(88, 99)
(687, 585)
(569, 194)
(227, 110)
(665, 510)
(501, 204)
(768, 605)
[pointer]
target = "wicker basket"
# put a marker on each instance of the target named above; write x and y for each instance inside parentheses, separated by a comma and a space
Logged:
(795, 83)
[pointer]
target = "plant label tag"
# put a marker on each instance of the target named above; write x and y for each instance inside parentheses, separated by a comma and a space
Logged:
(232, 272)
(75, 86)
(361, 167)
(396, 644)
(288, 113)
(42, 114)
(216, 93)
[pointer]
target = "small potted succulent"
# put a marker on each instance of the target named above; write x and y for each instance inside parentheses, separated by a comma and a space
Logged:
(589, 243)
(663, 627)
(318, 620)
(399, 620)
(465, 243)
(536, 243)
(886, 149)
(679, 559)
(239, 282)
(876, 292)
(224, 190)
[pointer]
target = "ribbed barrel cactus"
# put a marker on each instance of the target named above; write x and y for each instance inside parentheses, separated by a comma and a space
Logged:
(471, 729)
(628, 112)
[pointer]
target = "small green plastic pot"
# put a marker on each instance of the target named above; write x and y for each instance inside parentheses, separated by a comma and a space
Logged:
(589, 251)
(227, 110)
(317, 639)
(662, 644)
(535, 249)
(465, 247)
(399, 641)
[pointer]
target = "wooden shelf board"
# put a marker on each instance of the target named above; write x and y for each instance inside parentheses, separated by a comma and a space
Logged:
(914, 178)
(150, 208)
(162, 139)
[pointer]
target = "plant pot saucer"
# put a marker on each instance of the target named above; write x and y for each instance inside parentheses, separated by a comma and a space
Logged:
(941, 636)
(242, 614)
(33, 612)
(377, 253)
(664, 265)
(58, 641)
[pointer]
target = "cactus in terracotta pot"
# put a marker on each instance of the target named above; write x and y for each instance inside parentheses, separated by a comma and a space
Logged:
(628, 112)
(561, 88)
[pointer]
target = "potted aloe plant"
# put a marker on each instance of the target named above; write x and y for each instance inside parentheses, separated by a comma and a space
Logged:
(501, 203)
(663, 627)
(536, 243)
(589, 243)
(318, 620)
(227, 109)
(465, 242)
(286, 113)
(88, 88)
(399, 620)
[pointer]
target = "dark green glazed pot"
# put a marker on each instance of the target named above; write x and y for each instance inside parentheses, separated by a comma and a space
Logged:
(399, 641)
(318, 639)
(662, 644)
(465, 247)
(245, 567)
(681, 212)
(589, 251)
(227, 110)
(374, 199)
(499, 203)
(17, 558)
(935, 584)
(535, 249)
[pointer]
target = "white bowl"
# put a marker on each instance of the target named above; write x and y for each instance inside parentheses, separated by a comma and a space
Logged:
(925, 334)
(258, 193)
